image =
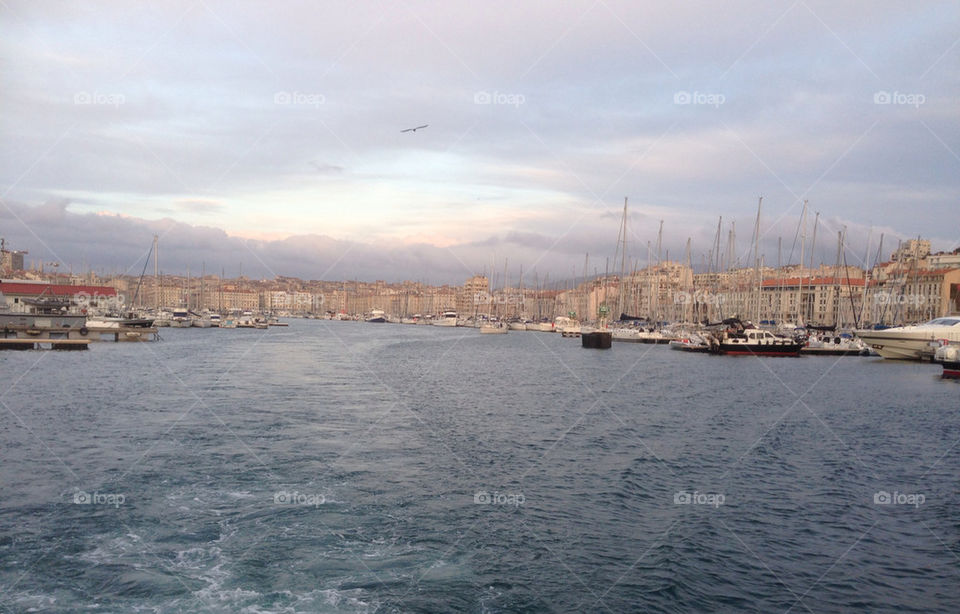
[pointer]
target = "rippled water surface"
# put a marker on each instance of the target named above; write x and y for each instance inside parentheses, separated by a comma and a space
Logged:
(351, 467)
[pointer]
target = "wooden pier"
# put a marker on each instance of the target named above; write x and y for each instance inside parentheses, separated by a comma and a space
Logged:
(28, 337)
(127, 333)
(39, 344)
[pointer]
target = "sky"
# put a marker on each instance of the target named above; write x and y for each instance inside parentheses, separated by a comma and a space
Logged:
(266, 138)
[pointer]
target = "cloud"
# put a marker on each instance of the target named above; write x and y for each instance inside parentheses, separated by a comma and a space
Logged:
(177, 113)
(327, 169)
(199, 205)
(112, 244)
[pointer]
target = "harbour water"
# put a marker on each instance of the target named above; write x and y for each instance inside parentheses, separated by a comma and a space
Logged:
(352, 467)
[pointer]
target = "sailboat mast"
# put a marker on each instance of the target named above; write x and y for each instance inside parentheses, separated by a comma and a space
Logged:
(156, 270)
(801, 316)
(621, 304)
(756, 254)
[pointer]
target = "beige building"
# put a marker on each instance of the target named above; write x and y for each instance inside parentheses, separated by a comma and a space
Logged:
(474, 297)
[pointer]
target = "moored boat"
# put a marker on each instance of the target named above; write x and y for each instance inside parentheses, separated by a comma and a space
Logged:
(449, 318)
(377, 316)
(836, 345)
(181, 319)
(911, 342)
(493, 328)
(741, 339)
(691, 343)
(949, 356)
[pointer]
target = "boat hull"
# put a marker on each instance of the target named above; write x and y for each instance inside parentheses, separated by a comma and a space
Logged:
(493, 330)
(908, 343)
(683, 346)
(829, 351)
(744, 349)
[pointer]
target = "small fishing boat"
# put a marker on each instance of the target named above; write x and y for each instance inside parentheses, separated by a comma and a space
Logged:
(493, 328)
(691, 343)
(377, 316)
(843, 344)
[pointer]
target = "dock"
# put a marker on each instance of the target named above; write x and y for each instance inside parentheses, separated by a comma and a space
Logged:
(27, 335)
(126, 333)
(38, 344)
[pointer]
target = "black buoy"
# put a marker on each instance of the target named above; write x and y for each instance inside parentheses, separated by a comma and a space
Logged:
(597, 340)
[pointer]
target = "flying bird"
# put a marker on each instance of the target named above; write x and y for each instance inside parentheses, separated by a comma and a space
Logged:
(415, 129)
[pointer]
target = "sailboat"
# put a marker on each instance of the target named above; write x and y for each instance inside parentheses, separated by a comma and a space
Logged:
(494, 325)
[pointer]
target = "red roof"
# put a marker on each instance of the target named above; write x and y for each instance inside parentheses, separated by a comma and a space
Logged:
(55, 289)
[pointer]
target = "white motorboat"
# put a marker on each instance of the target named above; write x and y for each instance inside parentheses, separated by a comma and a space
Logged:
(181, 319)
(494, 328)
(912, 342)
(449, 318)
(517, 325)
(690, 343)
(835, 345)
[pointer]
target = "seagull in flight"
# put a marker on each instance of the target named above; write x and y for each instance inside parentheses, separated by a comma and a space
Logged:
(415, 129)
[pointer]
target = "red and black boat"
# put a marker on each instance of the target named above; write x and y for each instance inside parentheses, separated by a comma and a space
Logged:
(949, 356)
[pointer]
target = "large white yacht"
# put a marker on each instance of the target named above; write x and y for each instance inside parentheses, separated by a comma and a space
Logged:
(449, 318)
(912, 342)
